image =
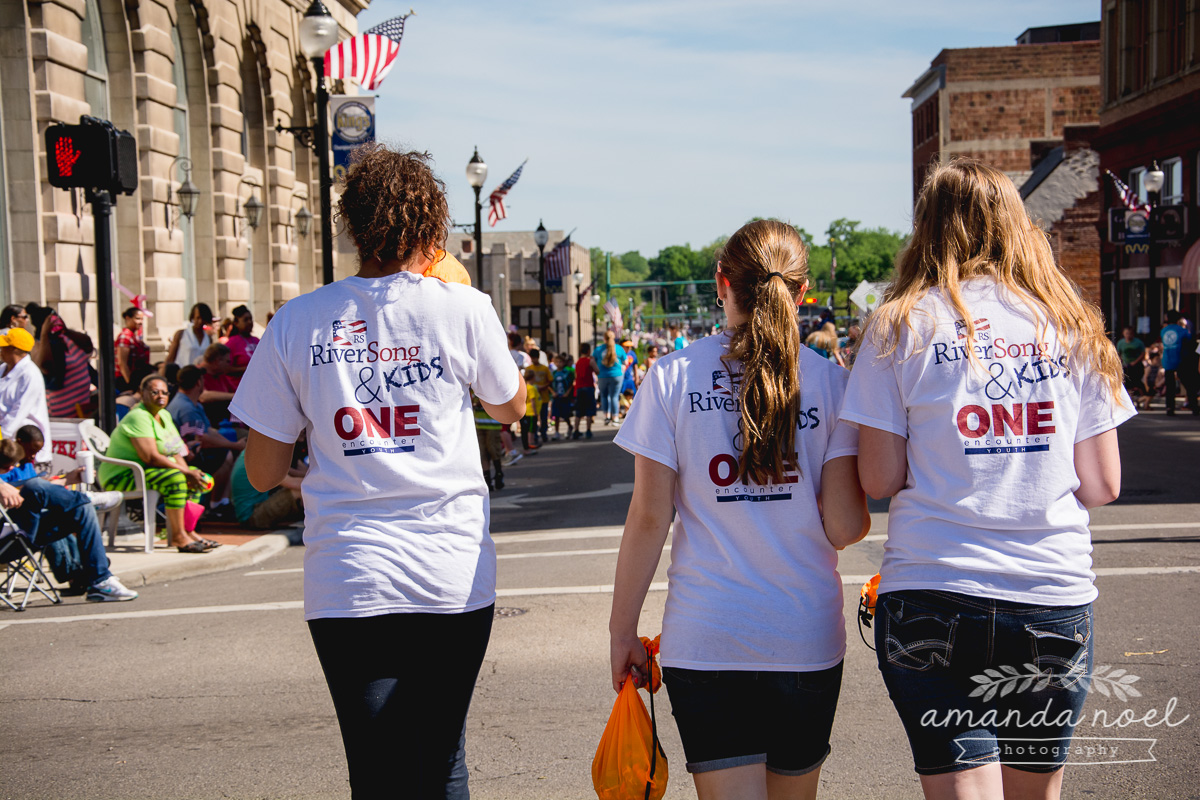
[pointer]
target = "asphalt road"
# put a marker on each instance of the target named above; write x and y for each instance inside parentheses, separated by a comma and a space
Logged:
(209, 688)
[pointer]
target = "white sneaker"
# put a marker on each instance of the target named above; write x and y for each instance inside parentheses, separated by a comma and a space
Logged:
(104, 501)
(512, 458)
(109, 590)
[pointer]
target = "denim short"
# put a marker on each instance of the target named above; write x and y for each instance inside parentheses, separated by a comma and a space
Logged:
(731, 718)
(1028, 667)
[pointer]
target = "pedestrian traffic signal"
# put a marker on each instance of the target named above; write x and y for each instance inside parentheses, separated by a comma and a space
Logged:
(91, 155)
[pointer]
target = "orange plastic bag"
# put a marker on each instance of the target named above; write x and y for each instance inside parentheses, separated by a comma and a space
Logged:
(630, 763)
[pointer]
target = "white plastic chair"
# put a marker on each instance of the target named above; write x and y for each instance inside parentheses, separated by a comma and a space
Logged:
(98, 443)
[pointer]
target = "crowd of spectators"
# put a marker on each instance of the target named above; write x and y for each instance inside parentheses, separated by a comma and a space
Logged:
(1163, 367)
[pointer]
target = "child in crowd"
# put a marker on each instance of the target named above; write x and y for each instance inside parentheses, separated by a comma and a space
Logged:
(563, 388)
(491, 447)
(538, 376)
(533, 399)
(585, 391)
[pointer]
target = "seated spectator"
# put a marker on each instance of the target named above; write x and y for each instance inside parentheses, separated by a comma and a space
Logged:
(218, 384)
(22, 389)
(208, 449)
(188, 344)
(132, 353)
(48, 513)
(148, 436)
(242, 340)
(262, 511)
(63, 357)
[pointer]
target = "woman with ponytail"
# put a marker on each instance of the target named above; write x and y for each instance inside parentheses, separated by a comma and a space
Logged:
(739, 433)
(987, 397)
(608, 362)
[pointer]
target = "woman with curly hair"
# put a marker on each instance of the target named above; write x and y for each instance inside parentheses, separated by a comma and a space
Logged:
(987, 398)
(399, 568)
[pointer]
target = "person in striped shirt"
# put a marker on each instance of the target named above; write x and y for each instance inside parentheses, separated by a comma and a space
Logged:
(63, 356)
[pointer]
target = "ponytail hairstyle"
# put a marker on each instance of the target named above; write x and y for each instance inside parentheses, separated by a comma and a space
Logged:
(766, 265)
(610, 349)
(968, 223)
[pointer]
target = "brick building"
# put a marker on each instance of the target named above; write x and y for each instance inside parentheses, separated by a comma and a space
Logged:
(1006, 106)
(205, 80)
(1151, 113)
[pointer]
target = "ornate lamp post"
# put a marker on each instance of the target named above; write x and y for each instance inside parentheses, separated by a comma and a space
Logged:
(476, 175)
(540, 237)
(318, 33)
(1153, 181)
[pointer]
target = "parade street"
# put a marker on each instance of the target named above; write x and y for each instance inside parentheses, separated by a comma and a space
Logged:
(209, 687)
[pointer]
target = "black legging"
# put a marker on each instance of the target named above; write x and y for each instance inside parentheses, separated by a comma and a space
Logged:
(402, 685)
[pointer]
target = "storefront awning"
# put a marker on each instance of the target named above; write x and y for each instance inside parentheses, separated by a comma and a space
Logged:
(1190, 276)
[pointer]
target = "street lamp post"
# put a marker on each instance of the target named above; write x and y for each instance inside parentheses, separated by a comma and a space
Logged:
(540, 237)
(1153, 181)
(318, 33)
(476, 175)
(577, 277)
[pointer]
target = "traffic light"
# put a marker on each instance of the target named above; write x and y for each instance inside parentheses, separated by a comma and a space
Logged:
(91, 155)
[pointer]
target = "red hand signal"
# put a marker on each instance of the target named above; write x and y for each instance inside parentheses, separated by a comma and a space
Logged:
(65, 155)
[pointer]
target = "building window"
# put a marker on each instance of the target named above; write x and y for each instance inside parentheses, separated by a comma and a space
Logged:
(1137, 182)
(1172, 27)
(1172, 191)
(1135, 50)
(95, 81)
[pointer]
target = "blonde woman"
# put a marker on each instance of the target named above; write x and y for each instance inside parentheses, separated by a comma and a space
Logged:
(987, 399)
(739, 432)
(608, 362)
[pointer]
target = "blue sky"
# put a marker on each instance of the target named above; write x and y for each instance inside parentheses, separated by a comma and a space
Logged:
(648, 124)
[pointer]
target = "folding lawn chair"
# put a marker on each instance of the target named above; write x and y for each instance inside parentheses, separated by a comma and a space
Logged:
(22, 560)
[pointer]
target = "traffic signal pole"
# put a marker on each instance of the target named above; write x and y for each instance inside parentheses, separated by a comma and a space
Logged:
(101, 202)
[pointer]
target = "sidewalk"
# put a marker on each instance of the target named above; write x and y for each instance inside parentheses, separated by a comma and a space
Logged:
(135, 567)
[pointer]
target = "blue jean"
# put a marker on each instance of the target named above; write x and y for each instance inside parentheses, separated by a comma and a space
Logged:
(610, 390)
(1033, 663)
(401, 685)
(50, 512)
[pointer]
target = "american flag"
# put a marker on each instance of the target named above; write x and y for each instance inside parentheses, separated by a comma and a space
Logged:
(347, 332)
(1127, 195)
(368, 57)
(496, 198)
(613, 309)
(558, 262)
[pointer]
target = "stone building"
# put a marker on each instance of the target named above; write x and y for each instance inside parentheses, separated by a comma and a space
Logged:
(202, 80)
(510, 276)
(1151, 113)
(1006, 106)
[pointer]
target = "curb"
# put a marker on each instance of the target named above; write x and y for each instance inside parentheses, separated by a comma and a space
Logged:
(245, 555)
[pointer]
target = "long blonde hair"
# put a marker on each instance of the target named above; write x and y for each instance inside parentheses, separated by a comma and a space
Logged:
(969, 223)
(766, 264)
(610, 349)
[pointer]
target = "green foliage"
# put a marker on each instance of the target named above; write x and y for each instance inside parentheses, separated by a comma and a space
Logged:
(862, 254)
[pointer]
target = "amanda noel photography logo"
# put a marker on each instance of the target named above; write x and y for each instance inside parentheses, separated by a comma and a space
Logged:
(1084, 747)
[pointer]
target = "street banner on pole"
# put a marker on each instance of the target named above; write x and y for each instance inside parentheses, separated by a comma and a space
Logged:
(867, 295)
(353, 124)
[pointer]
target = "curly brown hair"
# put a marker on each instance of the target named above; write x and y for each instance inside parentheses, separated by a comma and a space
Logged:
(392, 204)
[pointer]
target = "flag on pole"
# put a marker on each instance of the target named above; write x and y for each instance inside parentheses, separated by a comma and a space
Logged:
(369, 56)
(496, 198)
(613, 309)
(833, 268)
(1127, 195)
(558, 263)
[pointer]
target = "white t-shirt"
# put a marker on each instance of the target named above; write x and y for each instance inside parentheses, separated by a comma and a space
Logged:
(988, 507)
(23, 402)
(376, 371)
(753, 582)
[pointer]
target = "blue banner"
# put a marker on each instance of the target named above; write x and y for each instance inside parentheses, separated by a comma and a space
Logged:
(353, 125)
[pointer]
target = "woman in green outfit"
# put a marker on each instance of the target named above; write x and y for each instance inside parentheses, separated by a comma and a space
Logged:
(148, 436)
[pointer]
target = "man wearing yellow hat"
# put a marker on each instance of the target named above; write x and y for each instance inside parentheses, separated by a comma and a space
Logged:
(22, 389)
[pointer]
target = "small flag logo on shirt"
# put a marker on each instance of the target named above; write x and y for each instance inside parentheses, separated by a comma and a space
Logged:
(347, 332)
(981, 325)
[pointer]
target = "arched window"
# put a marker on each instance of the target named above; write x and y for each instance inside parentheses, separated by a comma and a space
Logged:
(179, 78)
(96, 80)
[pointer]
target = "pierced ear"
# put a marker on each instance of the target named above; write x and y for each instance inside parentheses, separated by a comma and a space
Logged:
(803, 291)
